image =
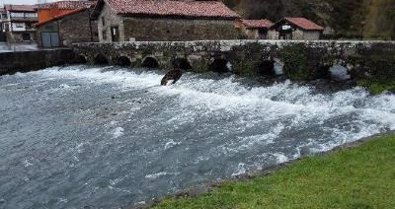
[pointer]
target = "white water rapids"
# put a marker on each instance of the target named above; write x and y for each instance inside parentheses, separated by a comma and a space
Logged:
(99, 137)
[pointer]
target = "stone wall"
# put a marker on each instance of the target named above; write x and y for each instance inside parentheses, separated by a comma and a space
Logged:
(12, 62)
(110, 19)
(302, 60)
(163, 29)
(298, 34)
(78, 28)
(311, 35)
(273, 34)
(178, 29)
(74, 28)
(17, 37)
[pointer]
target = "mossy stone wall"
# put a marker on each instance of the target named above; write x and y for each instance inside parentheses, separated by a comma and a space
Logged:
(303, 60)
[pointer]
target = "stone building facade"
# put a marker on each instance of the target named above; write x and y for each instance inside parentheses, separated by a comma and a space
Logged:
(295, 28)
(254, 29)
(123, 20)
(72, 27)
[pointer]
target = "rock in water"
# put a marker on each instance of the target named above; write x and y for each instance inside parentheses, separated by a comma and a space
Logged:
(171, 77)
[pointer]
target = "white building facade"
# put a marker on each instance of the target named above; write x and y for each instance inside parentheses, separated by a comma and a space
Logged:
(16, 23)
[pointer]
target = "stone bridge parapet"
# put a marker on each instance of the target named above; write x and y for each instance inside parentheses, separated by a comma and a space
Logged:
(302, 60)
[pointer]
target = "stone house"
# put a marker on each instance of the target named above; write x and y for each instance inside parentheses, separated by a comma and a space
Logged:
(72, 25)
(17, 23)
(49, 11)
(254, 29)
(164, 20)
(295, 28)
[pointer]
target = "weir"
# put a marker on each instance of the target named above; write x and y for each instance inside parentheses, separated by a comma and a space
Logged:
(302, 60)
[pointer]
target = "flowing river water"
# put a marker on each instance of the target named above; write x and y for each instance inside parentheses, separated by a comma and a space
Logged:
(104, 137)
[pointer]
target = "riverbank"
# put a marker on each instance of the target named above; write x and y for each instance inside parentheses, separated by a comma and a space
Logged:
(361, 177)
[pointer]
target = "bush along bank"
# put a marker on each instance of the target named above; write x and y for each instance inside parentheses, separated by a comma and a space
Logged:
(375, 68)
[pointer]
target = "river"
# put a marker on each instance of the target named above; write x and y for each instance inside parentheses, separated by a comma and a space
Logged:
(108, 137)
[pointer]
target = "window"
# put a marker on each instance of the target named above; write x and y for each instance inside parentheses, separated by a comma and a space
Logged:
(114, 34)
(4, 16)
(103, 21)
(31, 15)
(104, 34)
(19, 25)
(17, 14)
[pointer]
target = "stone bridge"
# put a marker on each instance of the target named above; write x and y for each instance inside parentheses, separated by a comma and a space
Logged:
(302, 60)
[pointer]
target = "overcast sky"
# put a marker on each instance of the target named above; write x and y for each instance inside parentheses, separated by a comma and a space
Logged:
(21, 1)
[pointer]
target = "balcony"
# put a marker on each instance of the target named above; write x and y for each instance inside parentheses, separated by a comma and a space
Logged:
(24, 19)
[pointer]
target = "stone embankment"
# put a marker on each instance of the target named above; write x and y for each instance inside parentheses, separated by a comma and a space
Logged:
(23, 61)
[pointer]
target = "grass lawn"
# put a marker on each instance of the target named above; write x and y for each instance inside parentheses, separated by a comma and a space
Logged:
(355, 178)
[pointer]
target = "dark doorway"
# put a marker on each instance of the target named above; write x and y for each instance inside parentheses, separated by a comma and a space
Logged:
(115, 34)
(3, 37)
(262, 33)
(285, 32)
(26, 36)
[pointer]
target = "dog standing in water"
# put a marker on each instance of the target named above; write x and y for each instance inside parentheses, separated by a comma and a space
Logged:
(171, 77)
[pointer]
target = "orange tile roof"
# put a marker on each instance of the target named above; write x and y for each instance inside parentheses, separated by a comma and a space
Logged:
(60, 17)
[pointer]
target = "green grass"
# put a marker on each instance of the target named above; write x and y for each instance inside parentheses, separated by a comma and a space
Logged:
(356, 178)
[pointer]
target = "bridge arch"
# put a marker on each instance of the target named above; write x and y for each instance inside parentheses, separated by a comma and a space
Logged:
(150, 62)
(123, 61)
(220, 65)
(81, 59)
(266, 68)
(100, 59)
(339, 72)
(181, 63)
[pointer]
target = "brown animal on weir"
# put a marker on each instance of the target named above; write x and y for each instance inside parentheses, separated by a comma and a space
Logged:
(172, 76)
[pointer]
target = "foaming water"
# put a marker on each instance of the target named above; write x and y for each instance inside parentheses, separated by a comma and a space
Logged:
(107, 137)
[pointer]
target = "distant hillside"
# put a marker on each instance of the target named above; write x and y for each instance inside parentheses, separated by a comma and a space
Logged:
(375, 19)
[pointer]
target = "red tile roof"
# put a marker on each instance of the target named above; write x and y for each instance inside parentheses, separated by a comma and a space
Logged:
(206, 9)
(304, 23)
(20, 8)
(68, 5)
(60, 17)
(264, 23)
